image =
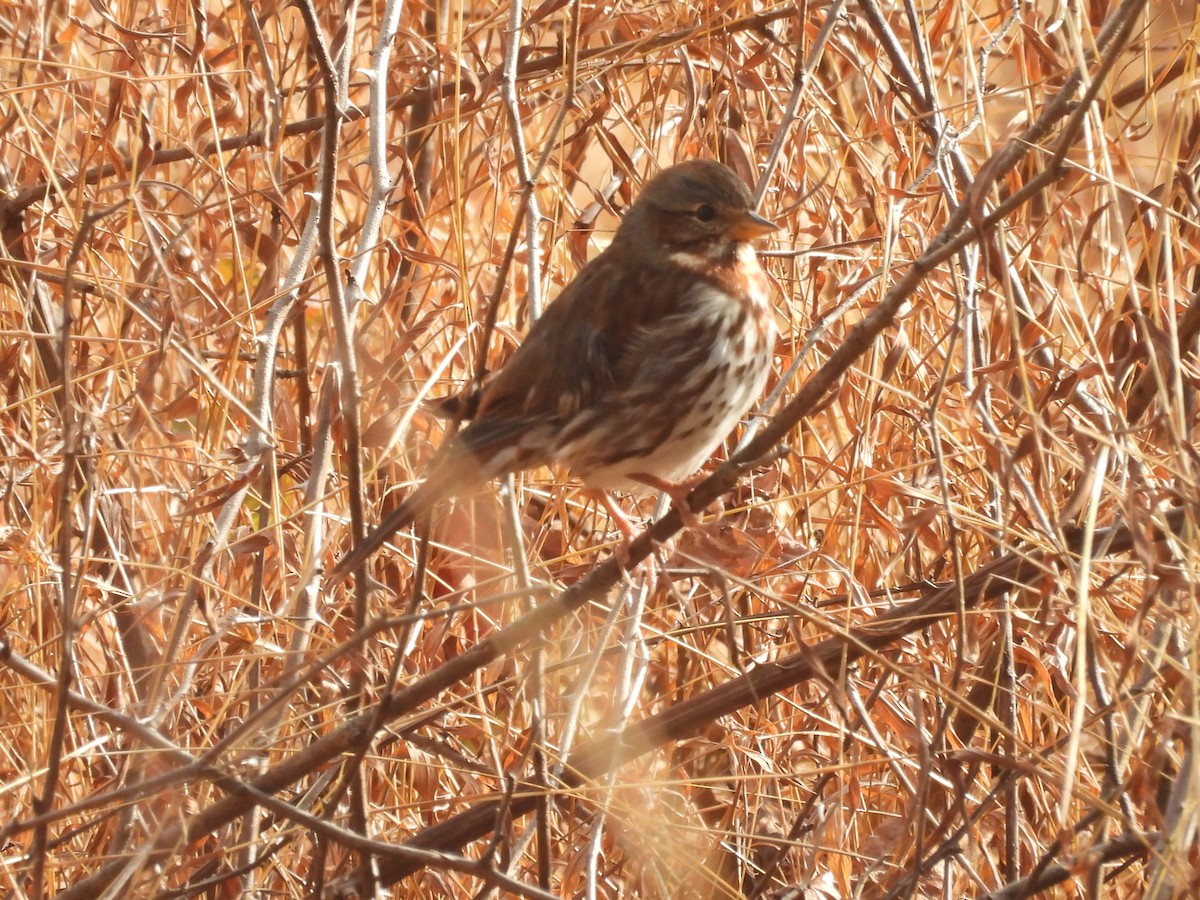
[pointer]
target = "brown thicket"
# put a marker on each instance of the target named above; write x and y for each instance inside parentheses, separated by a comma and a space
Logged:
(936, 634)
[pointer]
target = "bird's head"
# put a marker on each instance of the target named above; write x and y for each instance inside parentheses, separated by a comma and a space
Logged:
(696, 207)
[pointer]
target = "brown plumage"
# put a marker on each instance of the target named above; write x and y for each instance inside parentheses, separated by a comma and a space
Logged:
(641, 366)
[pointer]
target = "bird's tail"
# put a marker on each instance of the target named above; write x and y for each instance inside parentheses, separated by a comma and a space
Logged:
(445, 479)
(482, 451)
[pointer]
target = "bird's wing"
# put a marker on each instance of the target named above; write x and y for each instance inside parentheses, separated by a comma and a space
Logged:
(588, 341)
(564, 361)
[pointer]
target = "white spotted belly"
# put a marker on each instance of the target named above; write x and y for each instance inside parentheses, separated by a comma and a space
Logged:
(691, 396)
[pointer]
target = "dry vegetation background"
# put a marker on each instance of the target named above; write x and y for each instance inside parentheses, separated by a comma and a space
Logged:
(943, 645)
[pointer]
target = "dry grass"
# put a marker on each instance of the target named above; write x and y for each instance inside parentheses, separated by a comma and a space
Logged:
(944, 643)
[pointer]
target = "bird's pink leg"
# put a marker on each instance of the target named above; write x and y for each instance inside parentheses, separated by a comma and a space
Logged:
(626, 527)
(628, 533)
(678, 492)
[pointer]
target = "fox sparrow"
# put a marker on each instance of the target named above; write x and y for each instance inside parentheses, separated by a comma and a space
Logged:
(639, 369)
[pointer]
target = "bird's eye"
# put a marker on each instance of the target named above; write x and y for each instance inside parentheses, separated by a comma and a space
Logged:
(705, 213)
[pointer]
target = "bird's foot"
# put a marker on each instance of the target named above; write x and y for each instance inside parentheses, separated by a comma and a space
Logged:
(678, 491)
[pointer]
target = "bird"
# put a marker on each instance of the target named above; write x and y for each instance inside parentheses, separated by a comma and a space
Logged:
(637, 371)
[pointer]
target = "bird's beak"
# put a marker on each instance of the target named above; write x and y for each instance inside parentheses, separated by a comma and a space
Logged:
(750, 226)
